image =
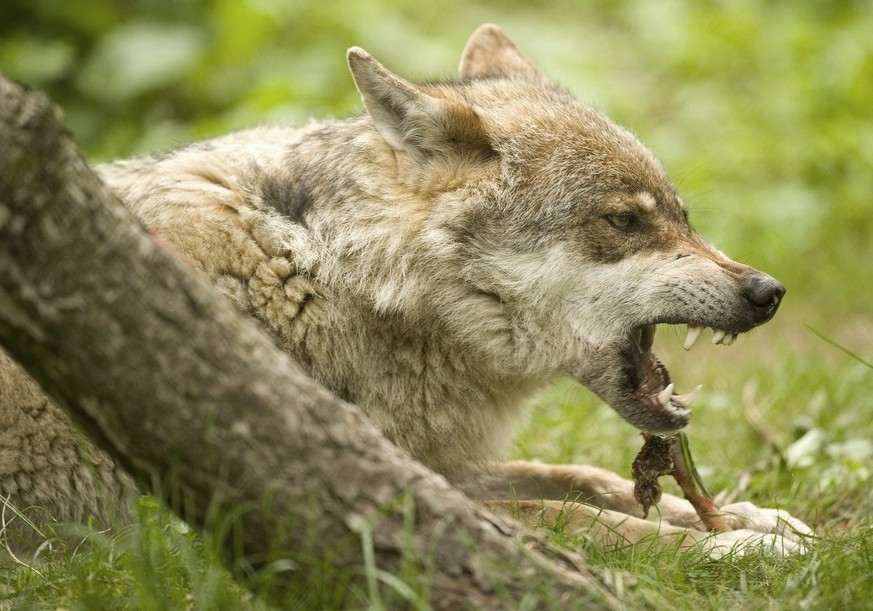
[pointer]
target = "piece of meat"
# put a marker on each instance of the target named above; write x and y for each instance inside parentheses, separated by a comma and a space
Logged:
(671, 455)
(654, 460)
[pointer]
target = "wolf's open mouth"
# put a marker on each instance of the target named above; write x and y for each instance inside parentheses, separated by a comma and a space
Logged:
(653, 390)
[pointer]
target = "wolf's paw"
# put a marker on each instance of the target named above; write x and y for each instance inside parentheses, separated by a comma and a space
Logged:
(758, 530)
(748, 516)
(743, 542)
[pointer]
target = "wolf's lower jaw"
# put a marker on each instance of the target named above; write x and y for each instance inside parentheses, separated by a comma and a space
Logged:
(655, 389)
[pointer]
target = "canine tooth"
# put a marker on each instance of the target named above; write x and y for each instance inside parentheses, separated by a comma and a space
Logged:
(665, 395)
(691, 337)
(718, 336)
(688, 398)
(729, 339)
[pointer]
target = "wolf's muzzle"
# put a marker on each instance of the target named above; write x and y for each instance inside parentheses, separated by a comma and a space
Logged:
(764, 293)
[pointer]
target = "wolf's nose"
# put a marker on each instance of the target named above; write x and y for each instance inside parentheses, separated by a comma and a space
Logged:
(764, 293)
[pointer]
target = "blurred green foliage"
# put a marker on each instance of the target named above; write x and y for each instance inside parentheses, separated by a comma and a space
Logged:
(760, 110)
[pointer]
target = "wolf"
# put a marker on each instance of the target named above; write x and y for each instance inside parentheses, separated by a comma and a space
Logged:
(437, 260)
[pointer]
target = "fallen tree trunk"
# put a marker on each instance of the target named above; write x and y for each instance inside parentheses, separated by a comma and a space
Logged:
(163, 373)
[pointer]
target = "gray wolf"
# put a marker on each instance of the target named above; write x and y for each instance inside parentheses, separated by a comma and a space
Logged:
(439, 258)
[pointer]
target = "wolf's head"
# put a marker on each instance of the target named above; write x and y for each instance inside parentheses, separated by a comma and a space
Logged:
(564, 221)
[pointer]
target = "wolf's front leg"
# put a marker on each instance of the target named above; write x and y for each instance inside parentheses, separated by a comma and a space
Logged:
(612, 499)
(579, 483)
(607, 528)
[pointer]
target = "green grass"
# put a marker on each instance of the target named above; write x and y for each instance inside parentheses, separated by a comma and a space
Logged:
(785, 432)
(813, 461)
(760, 112)
(154, 563)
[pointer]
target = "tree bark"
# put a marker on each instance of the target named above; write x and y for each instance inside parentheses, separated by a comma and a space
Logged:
(162, 372)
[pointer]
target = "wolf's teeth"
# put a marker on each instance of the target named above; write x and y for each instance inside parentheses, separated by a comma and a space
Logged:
(729, 339)
(665, 395)
(718, 336)
(688, 398)
(691, 337)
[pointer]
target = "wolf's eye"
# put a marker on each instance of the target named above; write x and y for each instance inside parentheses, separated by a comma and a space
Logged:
(625, 222)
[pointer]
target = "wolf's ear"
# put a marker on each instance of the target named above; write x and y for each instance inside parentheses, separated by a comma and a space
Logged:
(413, 120)
(489, 52)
